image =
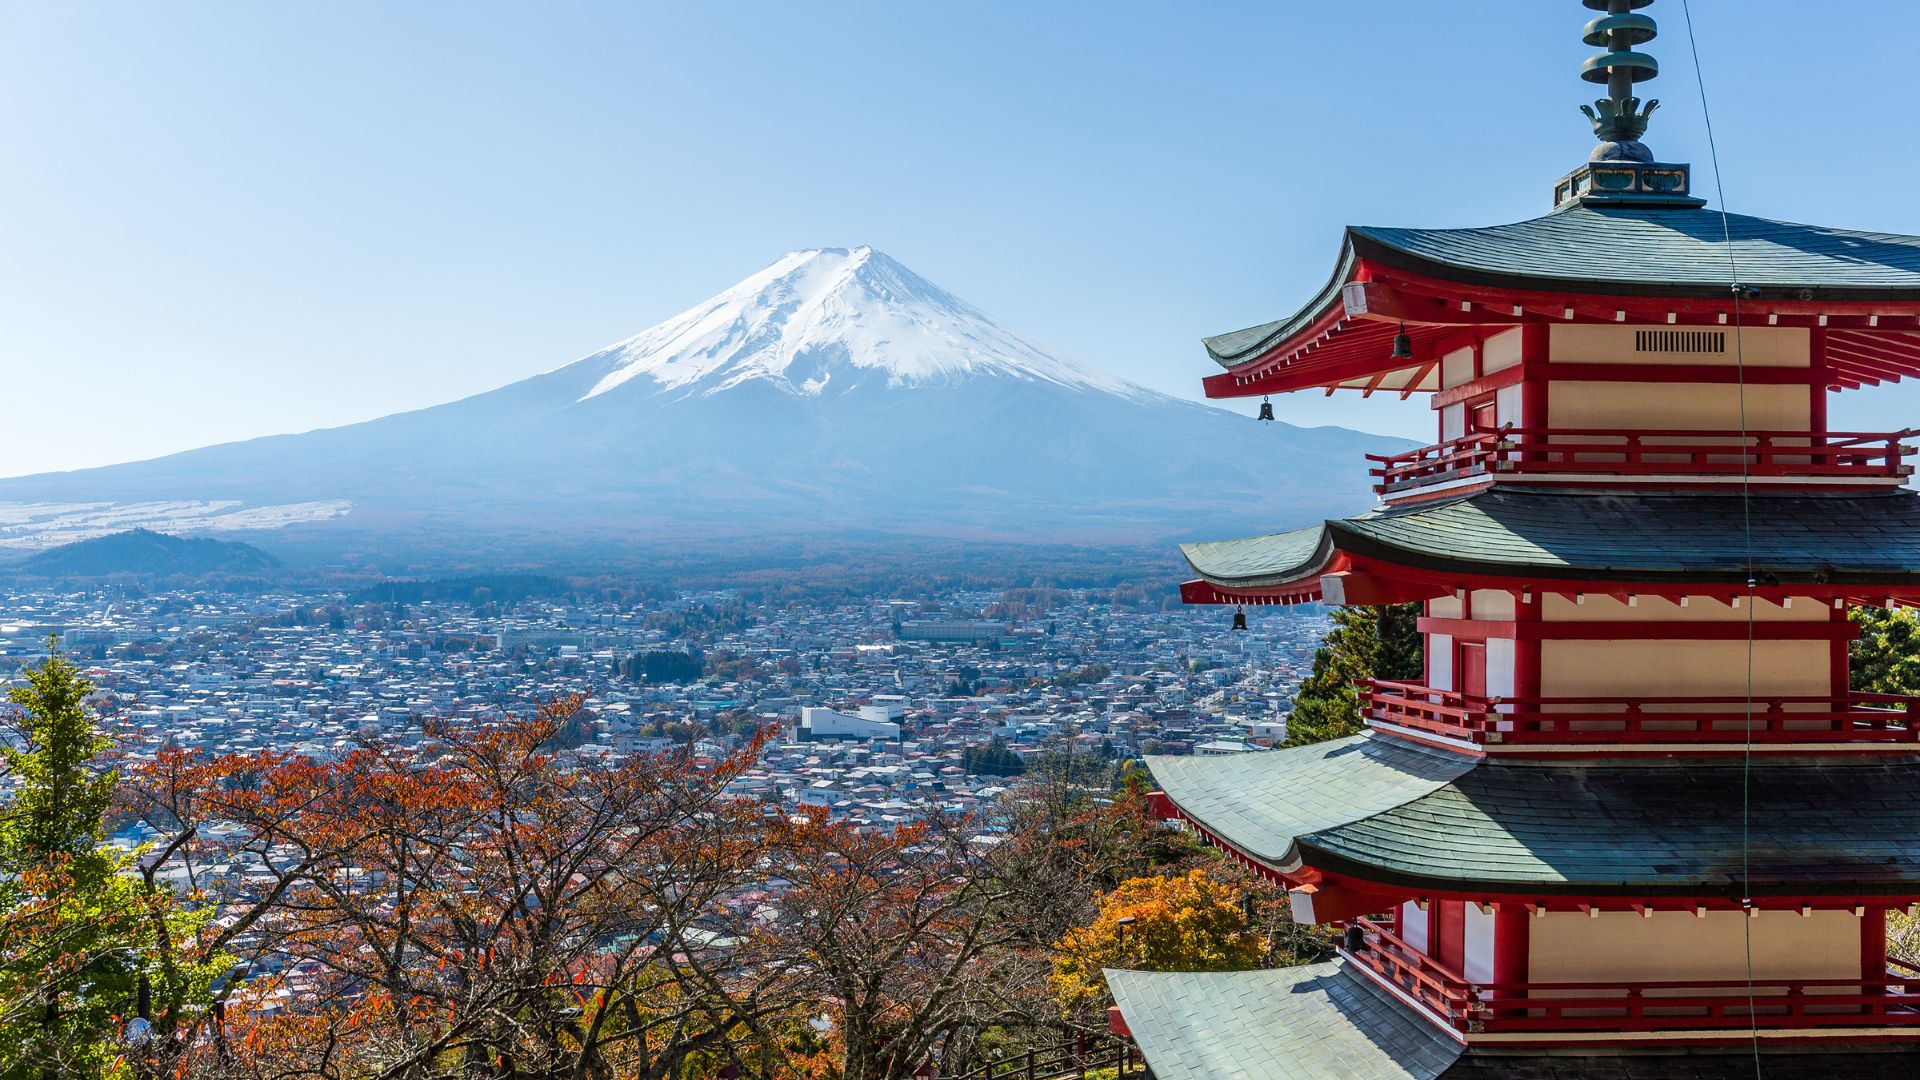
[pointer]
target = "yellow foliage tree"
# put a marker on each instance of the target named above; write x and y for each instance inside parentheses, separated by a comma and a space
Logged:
(1183, 922)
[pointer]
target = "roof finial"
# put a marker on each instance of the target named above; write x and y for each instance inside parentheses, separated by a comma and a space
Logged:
(1618, 119)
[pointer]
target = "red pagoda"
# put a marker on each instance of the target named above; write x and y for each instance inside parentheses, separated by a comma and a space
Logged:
(1634, 821)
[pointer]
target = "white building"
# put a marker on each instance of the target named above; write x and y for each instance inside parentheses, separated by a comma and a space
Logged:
(874, 722)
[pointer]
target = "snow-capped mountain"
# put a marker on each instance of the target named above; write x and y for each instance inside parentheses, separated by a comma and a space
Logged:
(830, 320)
(833, 391)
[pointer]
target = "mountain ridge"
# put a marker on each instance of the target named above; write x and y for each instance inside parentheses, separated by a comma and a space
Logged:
(832, 391)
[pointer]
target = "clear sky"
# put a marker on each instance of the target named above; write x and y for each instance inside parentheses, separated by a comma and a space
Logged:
(221, 220)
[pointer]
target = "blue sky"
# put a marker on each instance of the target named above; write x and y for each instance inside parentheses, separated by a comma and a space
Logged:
(221, 220)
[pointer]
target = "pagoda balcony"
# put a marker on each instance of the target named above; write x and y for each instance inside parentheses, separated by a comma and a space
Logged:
(1616, 1007)
(1594, 455)
(1600, 722)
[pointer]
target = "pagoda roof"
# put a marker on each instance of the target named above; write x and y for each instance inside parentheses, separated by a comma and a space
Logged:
(1390, 812)
(1651, 537)
(1620, 251)
(1328, 1022)
(1298, 1023)
(1448, 289)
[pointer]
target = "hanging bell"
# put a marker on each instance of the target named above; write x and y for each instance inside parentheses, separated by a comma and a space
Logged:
(1402, 344)
(1266, 408)
(1239, 619)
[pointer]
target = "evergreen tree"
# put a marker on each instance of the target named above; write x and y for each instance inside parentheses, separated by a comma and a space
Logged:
(90, 979)
(1885, 659)
(1365, 643)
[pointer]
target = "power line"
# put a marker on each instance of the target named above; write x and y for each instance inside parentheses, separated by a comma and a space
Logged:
(1746, 517)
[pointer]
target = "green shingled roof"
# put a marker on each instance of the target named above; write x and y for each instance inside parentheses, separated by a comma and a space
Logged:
(1393, 813)
(1622, 251)
(1325, 1022)
(1866, 540)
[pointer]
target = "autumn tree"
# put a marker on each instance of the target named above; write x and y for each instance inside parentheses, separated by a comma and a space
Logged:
(902, 937)
(478, 906)
(1365, 643)
(1181, 922)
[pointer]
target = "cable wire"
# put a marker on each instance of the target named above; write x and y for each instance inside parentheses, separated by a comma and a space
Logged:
(1746, 521)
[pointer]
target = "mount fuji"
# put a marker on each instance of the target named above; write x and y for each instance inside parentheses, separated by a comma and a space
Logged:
(835, 391)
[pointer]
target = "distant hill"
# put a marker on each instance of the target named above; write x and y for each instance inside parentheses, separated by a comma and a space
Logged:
(143, 551)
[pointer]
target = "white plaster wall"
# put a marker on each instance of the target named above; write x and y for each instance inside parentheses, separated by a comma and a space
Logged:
(1455, 368)
(1413, 925)
(1453, 422)
(1493, 604)
(1506, 401)
(1440, 661)
(1477, 964)
(1501, 351)
(1500, 653)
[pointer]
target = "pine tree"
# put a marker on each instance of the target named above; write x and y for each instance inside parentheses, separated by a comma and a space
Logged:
(1365, 643)
(88, 949)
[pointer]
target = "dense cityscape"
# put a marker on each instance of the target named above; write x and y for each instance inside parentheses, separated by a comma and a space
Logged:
(882, 707)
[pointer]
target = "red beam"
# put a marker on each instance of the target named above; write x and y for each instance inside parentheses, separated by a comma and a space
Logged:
(1486, 384)
(1376, 300)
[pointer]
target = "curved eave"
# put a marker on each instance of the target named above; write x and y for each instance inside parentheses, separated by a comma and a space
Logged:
(1380, 812)
(1236, 347)
(1815, 542)
(1280, 562)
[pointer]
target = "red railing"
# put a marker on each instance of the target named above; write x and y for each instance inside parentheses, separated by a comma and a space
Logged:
(1852, 717)
(1647, 1006)
(1547, 452)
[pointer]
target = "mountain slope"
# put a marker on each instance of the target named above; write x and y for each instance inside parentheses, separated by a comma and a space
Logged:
(833, 391)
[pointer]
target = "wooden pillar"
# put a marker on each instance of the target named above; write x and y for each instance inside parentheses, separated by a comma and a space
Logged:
(1535, 341)
(1526, 646)
(1817, 387)
(1841, 658)
(1873, 944)
(1512, 929)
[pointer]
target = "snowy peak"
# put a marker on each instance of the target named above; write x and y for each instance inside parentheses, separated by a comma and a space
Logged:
(831, 320)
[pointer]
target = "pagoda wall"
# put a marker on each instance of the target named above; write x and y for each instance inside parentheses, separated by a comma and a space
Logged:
(1625, 946)
(1647, 398)
(1663, 666)
(1636, 377)
(1666, 652)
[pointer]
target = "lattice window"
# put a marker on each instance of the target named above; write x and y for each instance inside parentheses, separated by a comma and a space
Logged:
(1680, 341)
